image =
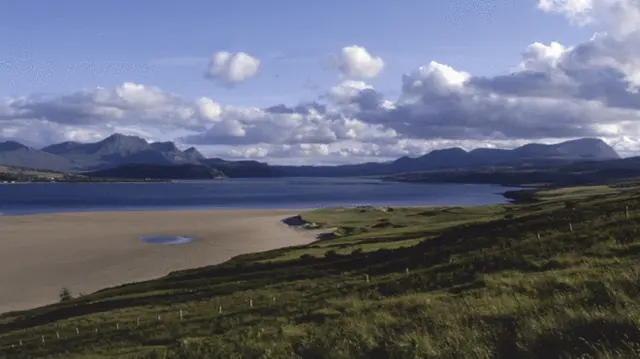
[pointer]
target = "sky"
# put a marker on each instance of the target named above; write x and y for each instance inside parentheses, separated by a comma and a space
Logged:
(325, 82)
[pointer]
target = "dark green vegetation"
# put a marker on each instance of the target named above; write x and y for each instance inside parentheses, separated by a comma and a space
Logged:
(16, 174)
(555, 278)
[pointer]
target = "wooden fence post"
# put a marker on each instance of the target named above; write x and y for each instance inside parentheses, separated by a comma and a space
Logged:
(77, 331)
(181, 314)
(57, 335)
(406, 270)
(220, 309)
(250, 303)
(626, 211)
(366, 277)
(570, 227)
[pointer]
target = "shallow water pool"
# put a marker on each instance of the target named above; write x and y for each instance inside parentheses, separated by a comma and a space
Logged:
(166, 240)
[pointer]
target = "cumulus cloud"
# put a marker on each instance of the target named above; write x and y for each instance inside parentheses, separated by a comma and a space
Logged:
(555, 92)
(282, 125)
(230, 69)
(93, 113)
(356, 62)
(618, 17)
(347, 90)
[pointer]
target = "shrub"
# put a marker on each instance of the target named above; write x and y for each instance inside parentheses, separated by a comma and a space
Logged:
(331, 254)
(306, 256)
(65, 295)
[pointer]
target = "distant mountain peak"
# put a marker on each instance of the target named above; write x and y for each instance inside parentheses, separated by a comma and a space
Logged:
(582, 148)
(448, 151)
(12, 146)
(585, 140)
(167, 146)
(193, 153)
(61, 148)
(119, 149)
(121, 137)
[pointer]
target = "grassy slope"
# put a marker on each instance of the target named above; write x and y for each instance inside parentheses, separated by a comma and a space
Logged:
(480, 284)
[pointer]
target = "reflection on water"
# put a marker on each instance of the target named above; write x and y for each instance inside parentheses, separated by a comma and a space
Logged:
(171, 240)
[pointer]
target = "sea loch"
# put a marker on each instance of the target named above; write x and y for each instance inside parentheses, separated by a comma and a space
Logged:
(290, 193)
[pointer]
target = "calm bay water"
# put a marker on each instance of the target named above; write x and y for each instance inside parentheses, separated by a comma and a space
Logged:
(292, 193)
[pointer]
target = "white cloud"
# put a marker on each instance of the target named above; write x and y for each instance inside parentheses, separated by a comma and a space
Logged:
(576, 10)
(286, 126)
(356, 62)
(541, 57)
(94, 113)
(208, 109)
(230, 69)
(555, 92)
(617, 17)
(347, 90)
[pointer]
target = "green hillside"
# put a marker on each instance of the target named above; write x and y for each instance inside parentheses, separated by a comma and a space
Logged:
(556, 278)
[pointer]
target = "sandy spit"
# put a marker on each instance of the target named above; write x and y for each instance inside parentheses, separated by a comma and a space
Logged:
(85, 252)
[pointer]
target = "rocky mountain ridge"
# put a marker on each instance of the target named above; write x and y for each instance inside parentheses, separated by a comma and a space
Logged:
(120, 150)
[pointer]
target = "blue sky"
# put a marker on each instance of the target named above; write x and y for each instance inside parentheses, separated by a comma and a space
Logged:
(64, 45)
(491, 73)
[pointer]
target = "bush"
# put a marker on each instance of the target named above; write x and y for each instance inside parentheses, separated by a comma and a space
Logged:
(306, 257)
(331, 254)
(65, 295)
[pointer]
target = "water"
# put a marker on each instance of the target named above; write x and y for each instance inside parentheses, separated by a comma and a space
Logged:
(294, 193)
(166, 240)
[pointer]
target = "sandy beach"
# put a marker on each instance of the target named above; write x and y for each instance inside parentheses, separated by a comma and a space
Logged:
(85, 252)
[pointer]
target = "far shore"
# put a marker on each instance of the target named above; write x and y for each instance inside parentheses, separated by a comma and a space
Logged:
(88, 251)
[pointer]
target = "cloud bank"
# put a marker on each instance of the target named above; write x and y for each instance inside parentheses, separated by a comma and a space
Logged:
(555, 92)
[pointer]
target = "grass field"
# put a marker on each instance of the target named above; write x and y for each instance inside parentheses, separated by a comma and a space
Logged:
(555, 278)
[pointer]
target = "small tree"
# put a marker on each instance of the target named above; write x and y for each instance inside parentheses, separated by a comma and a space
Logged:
(65, 295)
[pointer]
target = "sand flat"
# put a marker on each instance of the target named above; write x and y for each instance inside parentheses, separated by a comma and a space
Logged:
(85, 252)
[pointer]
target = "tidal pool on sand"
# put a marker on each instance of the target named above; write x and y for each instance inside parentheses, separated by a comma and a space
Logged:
(167, 240)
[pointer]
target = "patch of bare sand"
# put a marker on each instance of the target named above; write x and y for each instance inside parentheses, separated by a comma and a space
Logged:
(85, 252)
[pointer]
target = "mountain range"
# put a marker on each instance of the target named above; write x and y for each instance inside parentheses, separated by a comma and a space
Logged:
(121, 153)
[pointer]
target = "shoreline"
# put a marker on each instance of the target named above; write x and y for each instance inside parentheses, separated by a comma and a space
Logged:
(90, 251)
(152, 209)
